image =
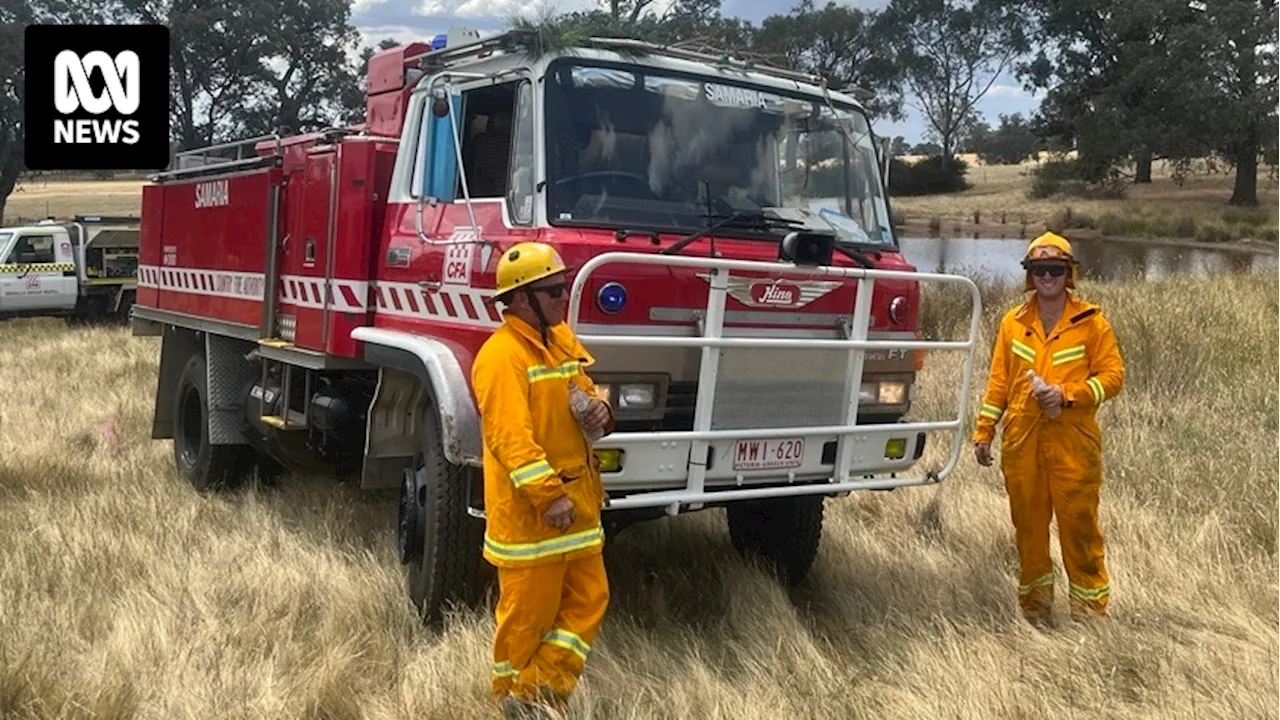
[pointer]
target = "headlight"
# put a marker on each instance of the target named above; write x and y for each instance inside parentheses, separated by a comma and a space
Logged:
(634, 396)
(893, 393)
(882, 393)
(637, 396)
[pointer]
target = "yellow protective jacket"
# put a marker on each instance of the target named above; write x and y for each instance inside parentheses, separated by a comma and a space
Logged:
(534, 449)
(1080, 354)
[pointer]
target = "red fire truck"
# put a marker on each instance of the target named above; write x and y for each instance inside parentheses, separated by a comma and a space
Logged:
(736, 274)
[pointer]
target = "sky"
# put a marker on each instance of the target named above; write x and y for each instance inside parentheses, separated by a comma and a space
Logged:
(419, 20)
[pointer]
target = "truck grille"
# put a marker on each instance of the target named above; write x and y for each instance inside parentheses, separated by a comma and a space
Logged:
(761, 388)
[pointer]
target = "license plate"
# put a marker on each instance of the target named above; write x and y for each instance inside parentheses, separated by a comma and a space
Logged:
(768, 454)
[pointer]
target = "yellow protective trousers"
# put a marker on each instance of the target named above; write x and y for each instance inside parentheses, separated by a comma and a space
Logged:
(1053, 466)
(548, 615)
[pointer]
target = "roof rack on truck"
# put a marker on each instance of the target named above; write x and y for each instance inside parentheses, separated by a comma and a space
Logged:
(442, 58)
(723, 60)
(213, 158)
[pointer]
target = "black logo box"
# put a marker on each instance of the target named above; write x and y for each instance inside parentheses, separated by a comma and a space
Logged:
(148, 124)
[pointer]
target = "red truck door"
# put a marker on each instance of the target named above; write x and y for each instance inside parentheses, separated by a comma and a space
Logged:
(305, 251)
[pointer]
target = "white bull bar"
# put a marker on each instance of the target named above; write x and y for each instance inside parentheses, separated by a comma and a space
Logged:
(694, 493)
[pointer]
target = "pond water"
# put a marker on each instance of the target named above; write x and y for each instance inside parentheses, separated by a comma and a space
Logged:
(998, 259)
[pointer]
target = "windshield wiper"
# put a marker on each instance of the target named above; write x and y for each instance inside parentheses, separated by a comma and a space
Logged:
(759, 220)
(856, 256)
(680, 244)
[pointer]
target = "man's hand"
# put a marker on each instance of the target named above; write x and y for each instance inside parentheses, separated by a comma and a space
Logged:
(982, 452)
(1051, 397)
(560, 514)
(597, 415)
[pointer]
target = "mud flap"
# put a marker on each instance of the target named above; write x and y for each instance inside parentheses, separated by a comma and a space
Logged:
(177, 345)
(228, 374)
(392, 431)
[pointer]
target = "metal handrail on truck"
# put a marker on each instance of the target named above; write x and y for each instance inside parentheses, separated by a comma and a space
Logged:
(712, 339)
(198, 161)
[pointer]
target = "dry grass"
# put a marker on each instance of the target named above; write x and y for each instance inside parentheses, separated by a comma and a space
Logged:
(123, 593)
(39, 199)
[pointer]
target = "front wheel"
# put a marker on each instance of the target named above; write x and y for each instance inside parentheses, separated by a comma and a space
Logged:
(783, 532)
(438, 540)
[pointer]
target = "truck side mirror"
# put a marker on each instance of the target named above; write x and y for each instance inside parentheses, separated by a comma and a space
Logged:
(441, 166)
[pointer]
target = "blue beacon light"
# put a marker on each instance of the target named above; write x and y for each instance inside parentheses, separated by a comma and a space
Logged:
(612, 298)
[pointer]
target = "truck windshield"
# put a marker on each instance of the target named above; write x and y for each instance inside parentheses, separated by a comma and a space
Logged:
(638, 147)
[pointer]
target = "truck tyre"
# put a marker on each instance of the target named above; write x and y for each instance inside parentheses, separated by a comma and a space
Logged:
(126, 305)
(205, 466)
(783, 532)
(438, 541)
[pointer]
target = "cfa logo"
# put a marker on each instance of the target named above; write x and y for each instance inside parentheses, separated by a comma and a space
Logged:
(96, 97)
(72, 92)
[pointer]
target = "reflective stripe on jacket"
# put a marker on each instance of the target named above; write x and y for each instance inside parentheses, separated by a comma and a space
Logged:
(534, 449)
(1080, 354)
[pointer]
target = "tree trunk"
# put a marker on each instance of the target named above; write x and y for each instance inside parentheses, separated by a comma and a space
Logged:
(10, 169)
(1246, 188)
(1144, 167)
(1246, 147)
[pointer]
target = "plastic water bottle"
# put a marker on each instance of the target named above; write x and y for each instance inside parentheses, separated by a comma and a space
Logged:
(1039, 385)
(579, 401)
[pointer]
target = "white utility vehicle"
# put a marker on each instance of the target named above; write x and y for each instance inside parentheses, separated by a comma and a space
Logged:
(82, 269)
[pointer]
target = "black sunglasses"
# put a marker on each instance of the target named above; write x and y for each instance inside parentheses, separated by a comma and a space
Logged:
(552, 291)
(1051, 269)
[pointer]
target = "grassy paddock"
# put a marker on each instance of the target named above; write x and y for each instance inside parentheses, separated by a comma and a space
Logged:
(40, 198)
(997, 205)
(123, 593)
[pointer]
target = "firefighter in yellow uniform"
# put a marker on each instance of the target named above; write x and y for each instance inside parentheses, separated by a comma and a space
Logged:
(542, 488)
(1051, 449)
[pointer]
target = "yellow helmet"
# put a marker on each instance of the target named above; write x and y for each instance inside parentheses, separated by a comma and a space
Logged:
(527, 262)
(1050, 246)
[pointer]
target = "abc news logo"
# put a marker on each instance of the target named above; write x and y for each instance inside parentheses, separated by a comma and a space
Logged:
(97, 97)
(72, 92)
